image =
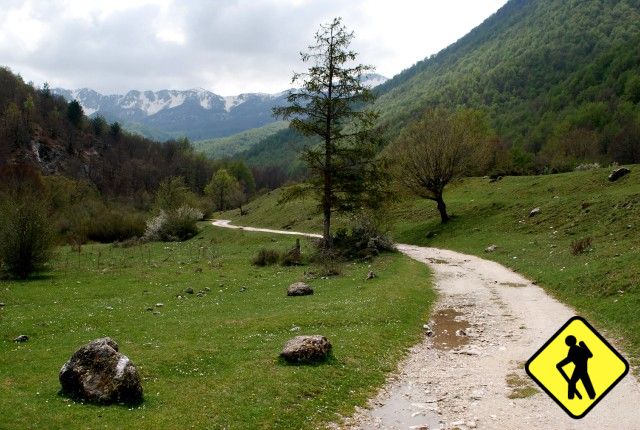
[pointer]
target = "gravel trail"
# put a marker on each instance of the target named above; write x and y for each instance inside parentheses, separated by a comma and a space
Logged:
(468, 372)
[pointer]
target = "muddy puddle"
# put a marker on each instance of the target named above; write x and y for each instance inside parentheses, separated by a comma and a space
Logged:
(449, 329)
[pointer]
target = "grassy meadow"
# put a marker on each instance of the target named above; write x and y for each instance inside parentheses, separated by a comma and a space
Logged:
(602, 283)
(211, 361)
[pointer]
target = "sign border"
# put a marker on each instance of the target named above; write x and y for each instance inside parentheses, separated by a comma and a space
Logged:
(602, 339)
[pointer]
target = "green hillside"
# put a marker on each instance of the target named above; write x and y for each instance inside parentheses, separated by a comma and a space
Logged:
(559, 79)
(602, 283)
(229, 146)
(541, 69)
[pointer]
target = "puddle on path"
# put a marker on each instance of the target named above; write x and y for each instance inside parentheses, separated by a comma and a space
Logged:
(445, 324)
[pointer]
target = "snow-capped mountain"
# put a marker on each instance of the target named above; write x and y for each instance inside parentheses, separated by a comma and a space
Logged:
(197, 113)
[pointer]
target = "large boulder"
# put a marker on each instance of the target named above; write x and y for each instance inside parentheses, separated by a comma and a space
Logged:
(299, 289)
(306, 349)
(98, 373)
(619, 173)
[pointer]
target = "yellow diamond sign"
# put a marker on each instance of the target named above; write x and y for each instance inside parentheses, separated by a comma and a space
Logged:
(577, 367)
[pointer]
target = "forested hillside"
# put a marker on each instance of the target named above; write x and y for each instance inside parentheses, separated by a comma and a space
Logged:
(42, 130)
(559, 80)
(229, 146)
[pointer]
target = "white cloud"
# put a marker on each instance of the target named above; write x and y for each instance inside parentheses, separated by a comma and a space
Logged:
(228, 46)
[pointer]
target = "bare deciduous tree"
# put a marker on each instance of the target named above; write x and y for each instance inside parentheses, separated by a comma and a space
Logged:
(437, 148)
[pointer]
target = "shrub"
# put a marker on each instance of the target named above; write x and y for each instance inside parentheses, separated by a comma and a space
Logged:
(266, 257)
(174, 225)
(114, 225)
(26, 237)
(365, 239)
(328, 261)
(581, 246)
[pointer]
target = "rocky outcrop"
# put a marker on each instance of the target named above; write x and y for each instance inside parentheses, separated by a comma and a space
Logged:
(306, 349)
(99, 373)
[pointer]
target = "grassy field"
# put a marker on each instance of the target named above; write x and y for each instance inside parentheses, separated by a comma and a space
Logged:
(603, 283)
(212, 361)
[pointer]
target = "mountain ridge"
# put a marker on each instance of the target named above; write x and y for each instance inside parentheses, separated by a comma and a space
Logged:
(197, 114)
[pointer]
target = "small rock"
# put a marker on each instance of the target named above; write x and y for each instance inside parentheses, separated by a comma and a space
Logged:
(207, 289)
(619, 173)
(109, 308)
(491, 248)
(534, 212)
(188, 290)
(21, 339)
(471, 424)
(200, 294)
(299, 289)
(149, 309)
(243, 289)
(371, 275)
(2, 305)
(306, 349)
(427, 330)
(461, 333)
(294, 328)
(156, 313)
(159, 305)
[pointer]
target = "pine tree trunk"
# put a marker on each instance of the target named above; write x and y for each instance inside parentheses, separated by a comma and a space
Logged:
(442, 208)
(326, 204)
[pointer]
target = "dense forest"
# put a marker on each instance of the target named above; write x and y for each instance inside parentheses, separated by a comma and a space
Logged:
(559, 80)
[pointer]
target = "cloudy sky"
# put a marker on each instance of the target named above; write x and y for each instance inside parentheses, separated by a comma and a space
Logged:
(225, 46)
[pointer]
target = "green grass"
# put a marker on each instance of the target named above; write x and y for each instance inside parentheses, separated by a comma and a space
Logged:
(209, 362)
(229, 146)
(602, 284)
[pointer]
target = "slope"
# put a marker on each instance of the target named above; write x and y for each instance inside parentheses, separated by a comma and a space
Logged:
(229, 146)
(531, 65)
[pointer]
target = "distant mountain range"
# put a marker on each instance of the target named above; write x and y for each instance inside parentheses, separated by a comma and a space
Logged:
(197, 114)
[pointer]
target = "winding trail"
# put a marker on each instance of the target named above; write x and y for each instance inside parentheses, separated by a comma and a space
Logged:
(459, 380)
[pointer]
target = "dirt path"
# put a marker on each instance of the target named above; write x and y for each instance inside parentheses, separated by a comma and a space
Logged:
(469, 372)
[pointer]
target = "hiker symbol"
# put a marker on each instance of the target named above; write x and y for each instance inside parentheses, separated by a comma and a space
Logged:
(577, 367)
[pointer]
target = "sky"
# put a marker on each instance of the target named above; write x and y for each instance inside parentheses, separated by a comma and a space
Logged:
(224, 46)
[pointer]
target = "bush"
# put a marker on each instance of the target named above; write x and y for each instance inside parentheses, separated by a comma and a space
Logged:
(266, 257)
(581, 246)
(364, 240)
(26, 237)
(114, 226)
(174, 225)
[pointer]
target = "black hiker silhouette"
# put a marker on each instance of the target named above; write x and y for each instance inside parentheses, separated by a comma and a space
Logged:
(578, 355)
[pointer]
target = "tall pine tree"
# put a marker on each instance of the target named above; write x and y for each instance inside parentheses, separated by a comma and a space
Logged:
(345, 172)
